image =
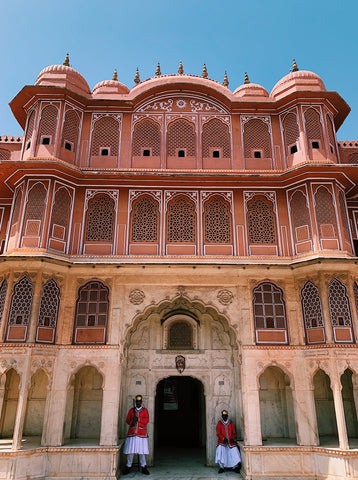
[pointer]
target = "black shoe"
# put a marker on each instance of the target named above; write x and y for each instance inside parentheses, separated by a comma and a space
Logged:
(145, 470)
(221, 470)
(126, 470)
(237, 468)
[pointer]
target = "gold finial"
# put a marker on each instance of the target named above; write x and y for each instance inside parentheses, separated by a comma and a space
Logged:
(294, 66)
(247, 80)
(136, 78)
(115, 76)
(67, 60)
(181, 68)
(226, 80)
(158, 72)
(205, 72)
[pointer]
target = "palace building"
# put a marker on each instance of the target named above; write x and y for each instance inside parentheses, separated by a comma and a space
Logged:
(178, 224)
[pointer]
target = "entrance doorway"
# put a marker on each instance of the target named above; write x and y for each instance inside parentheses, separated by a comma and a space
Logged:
(180, 413)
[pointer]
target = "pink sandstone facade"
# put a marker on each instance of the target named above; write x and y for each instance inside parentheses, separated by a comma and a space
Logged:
(178, 218)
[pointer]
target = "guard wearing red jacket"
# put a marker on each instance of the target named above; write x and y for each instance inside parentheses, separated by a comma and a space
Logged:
(137, 438)
(227, 451)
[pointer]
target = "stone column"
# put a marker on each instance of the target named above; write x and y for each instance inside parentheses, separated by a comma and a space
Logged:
(305, 413)
(35, 309)
(251, 405)
(323, 291)
(10, 283)
(2, 390)
(21, 405)
(110, 404)
(341, 421)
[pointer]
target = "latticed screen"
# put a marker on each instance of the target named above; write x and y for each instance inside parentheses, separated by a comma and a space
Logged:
(300, 216)
(181, 221)
(30, 127)
(145, 220)
(257, 137)
(311, 305)
(50, 300)
(181, 136)
(355, 292)
(344, 218)
(313, 125)
(146, 135)
(100, 219)
(105, 134)
(290, 131)
(16, 213)
(61, 211)
(217, 221)
(3, 291)
(261, 221)
(353, 159)
(70, 129)
(35, 209)
(325, 212)
(331, 135)
(269, 306)
(21, 302)
(216, 135)
(339, 307)
(4, 155)
(92, 305)
(180, 335)
(48, 123)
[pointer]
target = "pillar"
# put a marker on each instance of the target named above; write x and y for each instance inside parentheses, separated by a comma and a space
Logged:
(110, 406)
(21, 405)
(341, 421)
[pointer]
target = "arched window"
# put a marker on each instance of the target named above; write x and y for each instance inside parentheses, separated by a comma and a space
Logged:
(105, 137)
(180, 335)
(100, 219)
(270, 314)
(48, 125)
(145, 220)
(35, 208)
(301, 222)
(70, 131)
(313, 129)
(30, 130)
(291, 133)
(48, 313)
(312, 313)
(325, 214)
(146, 139)
(60, 220)
(16, 214)
(181, 220)
(257, 139)
(261, 222)
(340, 312)
(91, 317)
(19, 311)
(216, 140)
(3, 292)
(181, 139)
(344, 217)
(217, 221)
(331, 135)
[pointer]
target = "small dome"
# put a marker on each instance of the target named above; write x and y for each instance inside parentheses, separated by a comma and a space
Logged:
(251, 90)
(299, 81)
(63, 76)
(107, 88)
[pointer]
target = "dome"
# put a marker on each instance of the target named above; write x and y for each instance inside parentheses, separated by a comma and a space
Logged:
(107, 88)
(299, 81)
(63, 76)
(251, 90)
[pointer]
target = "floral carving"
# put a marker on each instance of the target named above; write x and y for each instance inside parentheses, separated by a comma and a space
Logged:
(225, 296)
(136, 296)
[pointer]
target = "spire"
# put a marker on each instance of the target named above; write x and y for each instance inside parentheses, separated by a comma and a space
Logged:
(226, 80)
(247, 80)
(158, 72)
(205, 72)
(67, 60)
(115, 76)
(136, 78)
(294, 66)
(181, 68)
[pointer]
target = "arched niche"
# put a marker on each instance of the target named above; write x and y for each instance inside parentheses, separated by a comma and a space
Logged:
(36, 403)
(350, 402)
(326, 415)
(10, 382)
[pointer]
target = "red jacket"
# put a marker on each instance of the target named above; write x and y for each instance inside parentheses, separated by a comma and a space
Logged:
(140, 428)
(226, 431)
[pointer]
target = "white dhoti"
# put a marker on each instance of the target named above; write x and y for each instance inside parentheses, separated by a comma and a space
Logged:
(135, 445)
(227, 457)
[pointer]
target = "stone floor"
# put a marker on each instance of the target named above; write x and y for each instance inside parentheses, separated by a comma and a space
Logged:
(183, 464)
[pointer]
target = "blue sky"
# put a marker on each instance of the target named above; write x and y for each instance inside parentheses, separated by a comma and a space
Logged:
(258, 36)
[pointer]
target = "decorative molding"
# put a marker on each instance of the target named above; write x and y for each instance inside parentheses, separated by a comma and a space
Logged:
(136, 296)
(225, 296)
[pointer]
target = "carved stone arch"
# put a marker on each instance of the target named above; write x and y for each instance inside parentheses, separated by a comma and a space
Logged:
(280, 366)
(167, 324)
(325, 368)
(74, 369)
